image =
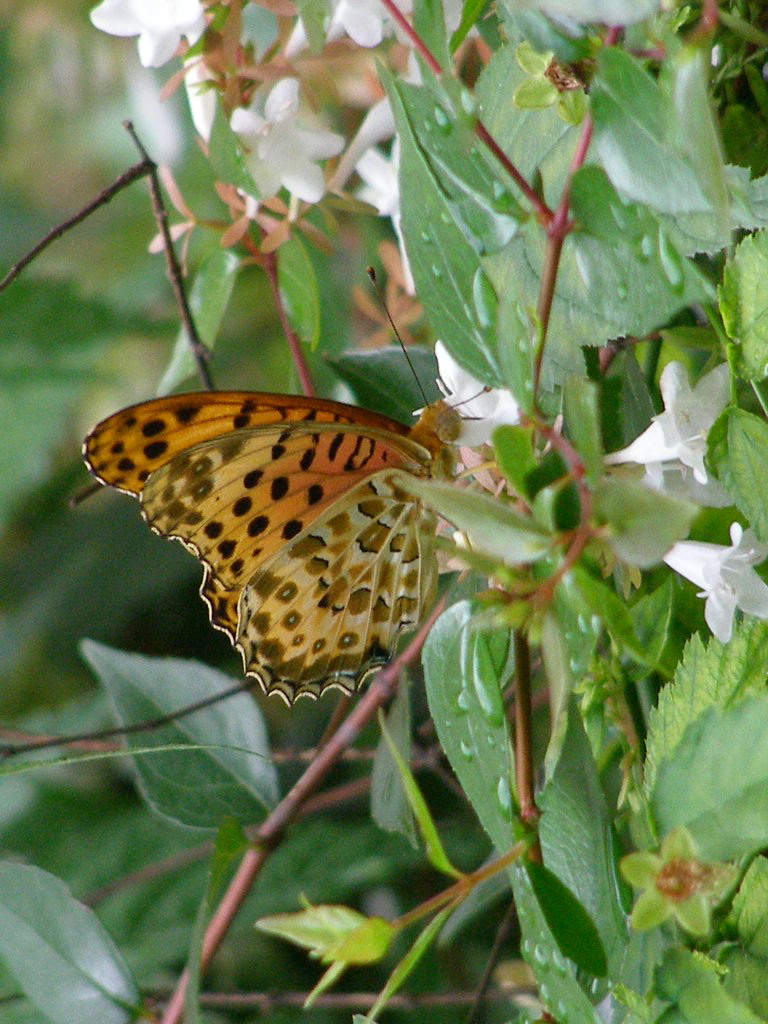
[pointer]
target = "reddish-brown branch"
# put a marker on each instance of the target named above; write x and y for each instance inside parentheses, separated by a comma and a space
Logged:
(707, 23)
(524, 730)
(273, 828)
(559, 227)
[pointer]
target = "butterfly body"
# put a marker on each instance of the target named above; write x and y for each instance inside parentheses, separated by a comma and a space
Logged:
(315, 557)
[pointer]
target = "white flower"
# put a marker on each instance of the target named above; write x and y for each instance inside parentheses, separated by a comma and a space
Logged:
(365, 22)
(678, 436)
(481, 408)
(281, 145)
(726, 577)
(202, 98)
(677, 480)
(159, 24)
(381, 189)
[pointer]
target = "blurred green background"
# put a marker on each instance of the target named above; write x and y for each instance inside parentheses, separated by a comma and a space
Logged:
(87, 329)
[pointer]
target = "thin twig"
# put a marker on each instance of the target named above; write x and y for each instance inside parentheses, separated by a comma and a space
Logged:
(269, 1002)
(199, 351)
(482, 993)
(139, 170)
(559, 227)
(45, 742)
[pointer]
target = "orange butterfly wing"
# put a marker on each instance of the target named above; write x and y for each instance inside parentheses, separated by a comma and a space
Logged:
(314, 559)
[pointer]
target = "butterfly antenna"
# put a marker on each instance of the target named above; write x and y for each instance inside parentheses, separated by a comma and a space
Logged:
(379, 294)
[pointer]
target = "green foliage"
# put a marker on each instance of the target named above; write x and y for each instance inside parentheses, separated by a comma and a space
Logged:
(231, 751)
(575, 739)
(62, 958)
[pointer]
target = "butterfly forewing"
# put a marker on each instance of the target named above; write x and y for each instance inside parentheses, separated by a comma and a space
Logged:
(126, 447)
(314, 559)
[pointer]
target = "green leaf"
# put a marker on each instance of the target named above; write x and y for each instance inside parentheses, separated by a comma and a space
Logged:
(492, 525)
(315, 15)
(652, 618)
(516, 335)
(464, 671)
(634, 402)
(231, 775)
(472, 11)
(382, 380)
(572, 928)
(747, 962)
(47, 360)
(708, 785)
(389, 804)
(58, 951)
(576, 841)
(333, 933)
(745, 980)
(226, 156)
(621, 254)
(581, 408)
(744, 305)
(611, 610)
(693, 983)
(558, 988)
(642, 525)
(745, 469)
(443, 260)
(208, 302)
(434, 848)
(638, 137)
(367, 944)
(514, 455)
(711, 675)
(750, 908)
(429, 22)
(299, 290)
(611, 12)
(696, 135)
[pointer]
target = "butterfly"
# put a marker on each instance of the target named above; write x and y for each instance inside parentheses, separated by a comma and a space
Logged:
(315, 558)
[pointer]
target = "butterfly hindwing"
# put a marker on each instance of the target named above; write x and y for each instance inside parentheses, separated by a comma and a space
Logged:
(235, 501)
(331, 604)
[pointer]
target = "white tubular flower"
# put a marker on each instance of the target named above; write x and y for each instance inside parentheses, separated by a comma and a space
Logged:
(202, 99)
(726, 577)
(481, 408)
(679, 434)
(381, 189)
(159, 24)
(366, 22)
(281, 144)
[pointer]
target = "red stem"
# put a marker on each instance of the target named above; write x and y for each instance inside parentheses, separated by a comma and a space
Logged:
(272, 829)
